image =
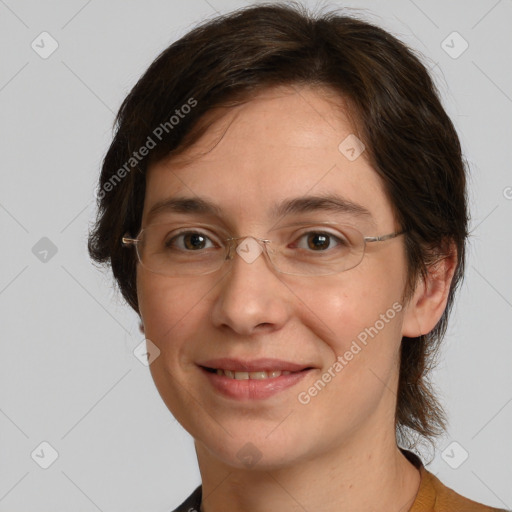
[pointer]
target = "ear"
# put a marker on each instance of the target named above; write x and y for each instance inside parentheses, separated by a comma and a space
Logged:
(428, 302)
(141, 327)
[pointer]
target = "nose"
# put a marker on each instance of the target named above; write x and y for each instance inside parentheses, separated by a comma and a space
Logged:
(251, 297)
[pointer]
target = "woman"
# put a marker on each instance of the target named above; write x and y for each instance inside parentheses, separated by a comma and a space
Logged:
(295, 197)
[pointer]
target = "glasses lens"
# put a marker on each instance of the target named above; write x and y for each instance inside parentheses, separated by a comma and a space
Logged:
(316, 252)
(165, 250)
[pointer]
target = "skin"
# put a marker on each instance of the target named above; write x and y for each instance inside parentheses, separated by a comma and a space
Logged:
(339, 451)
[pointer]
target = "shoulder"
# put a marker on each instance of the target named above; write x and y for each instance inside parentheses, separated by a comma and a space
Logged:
(445, 499)
(192, 503)
(434, 496)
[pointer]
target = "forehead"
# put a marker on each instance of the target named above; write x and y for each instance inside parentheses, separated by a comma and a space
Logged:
(282, 144)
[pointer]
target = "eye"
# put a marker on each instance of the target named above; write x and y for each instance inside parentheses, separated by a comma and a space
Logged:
(319, 241)
(189, 241)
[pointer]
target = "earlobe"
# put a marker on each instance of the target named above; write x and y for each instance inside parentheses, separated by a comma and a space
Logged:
(427, 305)
(141, 327)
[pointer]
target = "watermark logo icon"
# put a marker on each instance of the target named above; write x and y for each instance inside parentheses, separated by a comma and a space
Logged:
(454, 45)
(351, 147)
(454, 455)
(44, 250)
(146, 352)
(249, 455)
(44, 45)
(44, 455)
(249, 249)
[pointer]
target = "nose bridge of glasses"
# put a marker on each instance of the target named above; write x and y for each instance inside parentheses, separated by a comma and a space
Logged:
(248, 247)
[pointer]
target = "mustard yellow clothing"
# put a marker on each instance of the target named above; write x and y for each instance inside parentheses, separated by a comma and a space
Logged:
(434, 496)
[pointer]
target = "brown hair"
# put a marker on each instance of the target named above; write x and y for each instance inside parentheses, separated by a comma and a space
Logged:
(410, 142)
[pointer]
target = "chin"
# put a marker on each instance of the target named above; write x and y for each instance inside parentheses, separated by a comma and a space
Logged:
(255, 451)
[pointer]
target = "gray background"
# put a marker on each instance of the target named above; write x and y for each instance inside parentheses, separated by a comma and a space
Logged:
(68, 375)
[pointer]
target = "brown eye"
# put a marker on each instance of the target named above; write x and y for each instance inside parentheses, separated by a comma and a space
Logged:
(189, 241)
(194, 241)
(318, 241)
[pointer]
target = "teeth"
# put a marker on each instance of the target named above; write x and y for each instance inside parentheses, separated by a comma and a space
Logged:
(252, 375)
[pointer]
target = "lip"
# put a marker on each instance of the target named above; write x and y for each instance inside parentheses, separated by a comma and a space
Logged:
(254, 365)
(253, 389)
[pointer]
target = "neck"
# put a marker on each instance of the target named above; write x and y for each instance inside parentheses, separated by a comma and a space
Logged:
(359, 476)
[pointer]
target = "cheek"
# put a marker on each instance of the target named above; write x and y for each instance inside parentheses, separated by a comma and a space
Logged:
(342, 306)
(364, 329)
(171, 309)
(359, 323)
(358, 316)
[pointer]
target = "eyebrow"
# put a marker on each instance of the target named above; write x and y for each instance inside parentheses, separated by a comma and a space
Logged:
(305, 204)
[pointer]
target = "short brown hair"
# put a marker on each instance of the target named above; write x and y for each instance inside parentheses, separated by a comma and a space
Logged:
(410, 142)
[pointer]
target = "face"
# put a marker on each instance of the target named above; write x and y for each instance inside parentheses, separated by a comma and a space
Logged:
(281, 146)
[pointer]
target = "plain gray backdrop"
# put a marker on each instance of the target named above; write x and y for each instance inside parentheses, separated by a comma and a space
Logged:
(68, 376)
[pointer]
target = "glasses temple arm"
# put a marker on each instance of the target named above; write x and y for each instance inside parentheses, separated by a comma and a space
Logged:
(383, 237)
(129, 241)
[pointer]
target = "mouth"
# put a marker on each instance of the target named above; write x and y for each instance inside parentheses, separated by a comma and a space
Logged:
(246, 381)
(254, 379)
(257, 369)
(252, 375)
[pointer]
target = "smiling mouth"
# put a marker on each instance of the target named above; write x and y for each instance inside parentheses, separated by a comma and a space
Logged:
(256, 375)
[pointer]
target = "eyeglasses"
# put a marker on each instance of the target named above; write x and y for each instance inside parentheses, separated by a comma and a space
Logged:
(316, 249)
